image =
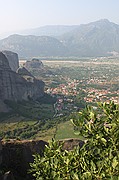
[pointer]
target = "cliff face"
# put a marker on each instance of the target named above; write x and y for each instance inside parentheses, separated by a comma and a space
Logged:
(12, 59)
(15, 87)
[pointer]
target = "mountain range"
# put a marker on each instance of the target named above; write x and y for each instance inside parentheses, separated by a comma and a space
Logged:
(100, 38)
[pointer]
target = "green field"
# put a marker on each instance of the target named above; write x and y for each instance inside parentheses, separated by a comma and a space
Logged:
(32, 130)
(65, 130)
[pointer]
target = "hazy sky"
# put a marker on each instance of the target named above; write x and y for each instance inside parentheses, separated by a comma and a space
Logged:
(25, 14)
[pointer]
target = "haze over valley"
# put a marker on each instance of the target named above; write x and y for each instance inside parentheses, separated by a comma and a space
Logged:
(59, 90)
(100, 38)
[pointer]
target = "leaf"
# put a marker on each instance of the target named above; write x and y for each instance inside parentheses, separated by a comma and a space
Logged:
(103, 140)
(93, 166)
(114, 162)
(76, 176)
(87, 175)
(91, 115)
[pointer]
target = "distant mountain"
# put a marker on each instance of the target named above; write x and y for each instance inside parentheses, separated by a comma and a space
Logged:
(99, 38)
(33, 46)
(50, 30)
(93, 39)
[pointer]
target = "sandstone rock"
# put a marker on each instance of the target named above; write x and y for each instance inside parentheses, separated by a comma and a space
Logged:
(69, 144)
(18, 154)
(23, 72)
(3, 62)
(12, 59)
(4, 107)
(34, 64)
(15, 87)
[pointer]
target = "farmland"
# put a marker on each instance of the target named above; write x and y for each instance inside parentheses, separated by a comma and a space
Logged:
(71, 86)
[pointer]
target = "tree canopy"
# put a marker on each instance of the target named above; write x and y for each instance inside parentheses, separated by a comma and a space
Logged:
(97, 159)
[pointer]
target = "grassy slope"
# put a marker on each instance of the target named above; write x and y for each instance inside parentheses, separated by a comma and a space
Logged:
(65, 130)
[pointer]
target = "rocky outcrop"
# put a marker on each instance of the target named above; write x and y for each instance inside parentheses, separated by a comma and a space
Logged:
(34, 64)
(14, 86)
(23, 72)
(12, 59)
(16, 155)
(69, 144)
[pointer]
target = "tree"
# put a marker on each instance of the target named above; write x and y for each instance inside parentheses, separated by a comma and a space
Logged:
(99, 156)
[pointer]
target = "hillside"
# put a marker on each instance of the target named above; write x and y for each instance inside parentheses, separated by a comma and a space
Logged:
(100, 38)
(30, 46)
(94, 39)
(49, 30)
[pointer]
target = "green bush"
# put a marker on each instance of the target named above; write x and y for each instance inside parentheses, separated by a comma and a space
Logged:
(97, 159)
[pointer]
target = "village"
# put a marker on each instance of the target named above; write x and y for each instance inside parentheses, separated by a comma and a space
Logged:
(72, 90)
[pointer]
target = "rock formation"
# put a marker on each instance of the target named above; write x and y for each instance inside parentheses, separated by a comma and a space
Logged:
(16, 155)
(12, 59)
(23, 72)
(34, 63)
(15, 87)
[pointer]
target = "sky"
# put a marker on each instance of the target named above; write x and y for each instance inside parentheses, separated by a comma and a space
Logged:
(27, 14)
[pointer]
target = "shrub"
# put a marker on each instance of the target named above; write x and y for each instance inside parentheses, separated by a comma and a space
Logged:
(99, 156)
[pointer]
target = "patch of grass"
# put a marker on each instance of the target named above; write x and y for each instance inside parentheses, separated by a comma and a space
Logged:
(45, 135)
(32, 130)
(15, 129)
(65, 130)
